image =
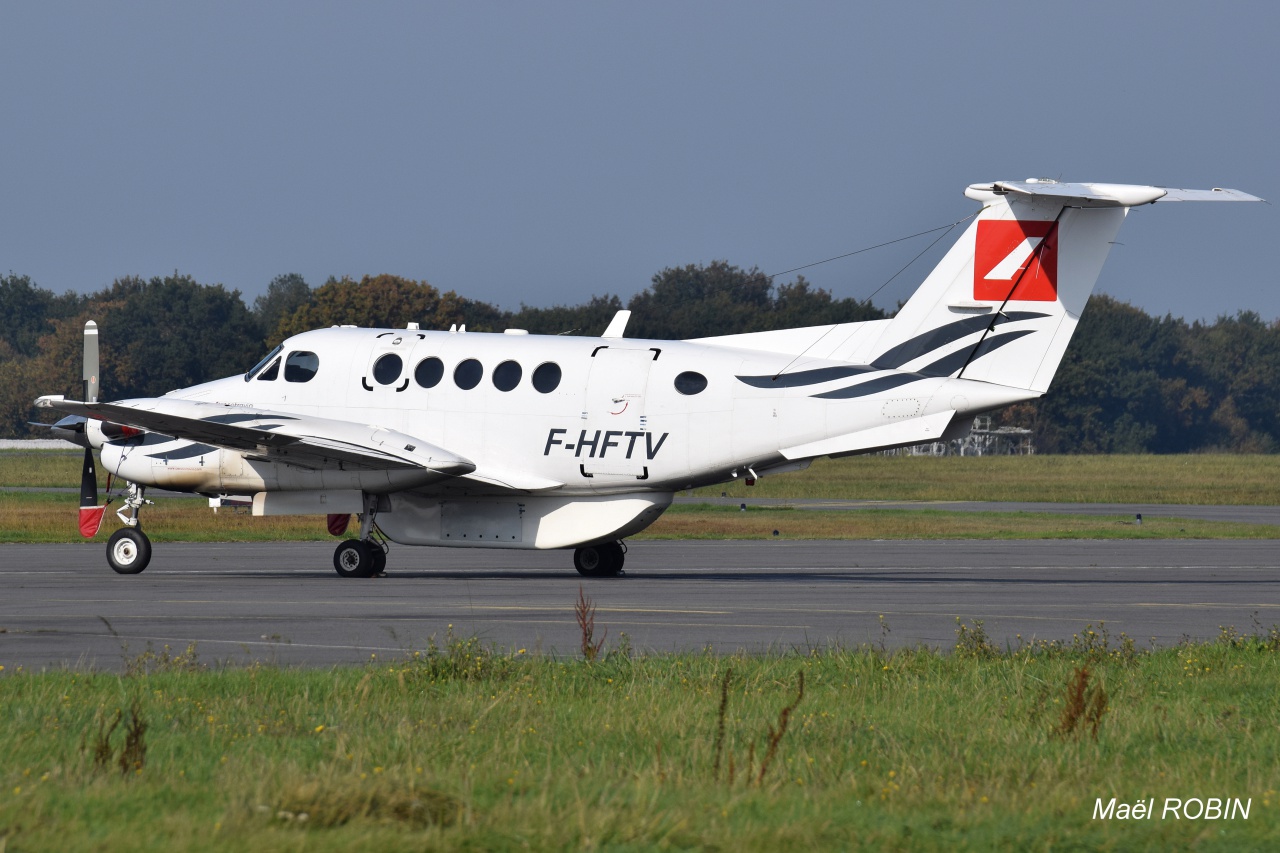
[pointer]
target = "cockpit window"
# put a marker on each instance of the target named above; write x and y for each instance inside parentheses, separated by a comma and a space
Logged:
(300, 366)
(266, 359)
(270, 374)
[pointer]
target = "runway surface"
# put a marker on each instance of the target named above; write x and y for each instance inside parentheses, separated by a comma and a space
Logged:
(282, 602)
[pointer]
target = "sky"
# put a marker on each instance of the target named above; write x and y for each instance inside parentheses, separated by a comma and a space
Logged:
(541, 153)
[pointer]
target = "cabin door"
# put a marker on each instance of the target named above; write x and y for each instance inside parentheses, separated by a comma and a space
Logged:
(613, 441)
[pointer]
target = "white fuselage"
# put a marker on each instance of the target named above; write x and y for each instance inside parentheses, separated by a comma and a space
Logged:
(626, 418)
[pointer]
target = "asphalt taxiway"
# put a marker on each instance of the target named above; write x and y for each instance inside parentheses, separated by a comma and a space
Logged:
(283, 603)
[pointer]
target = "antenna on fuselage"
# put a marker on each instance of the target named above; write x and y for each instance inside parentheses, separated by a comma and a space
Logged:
(617, 325)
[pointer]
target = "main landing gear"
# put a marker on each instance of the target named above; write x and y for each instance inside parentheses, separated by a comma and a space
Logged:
(359, 558)
(365, 557)
(600, 561)
(129, 549)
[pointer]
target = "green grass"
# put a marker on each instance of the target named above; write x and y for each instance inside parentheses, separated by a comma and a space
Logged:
(1190, 479)
(1212, 479)
(51, 517)
(45, 469)
(466, 748)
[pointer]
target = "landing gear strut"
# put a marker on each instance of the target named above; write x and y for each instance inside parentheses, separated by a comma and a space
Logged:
(365, 557)
(600, 561)
(129, 549)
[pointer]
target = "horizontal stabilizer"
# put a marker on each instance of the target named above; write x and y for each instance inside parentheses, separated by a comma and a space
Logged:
(1103, 195)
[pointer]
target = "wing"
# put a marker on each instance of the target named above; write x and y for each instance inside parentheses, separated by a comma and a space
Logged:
(301, 440)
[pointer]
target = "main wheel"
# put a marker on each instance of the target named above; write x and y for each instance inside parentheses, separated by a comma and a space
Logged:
(588, 561)
(379, 561)
(599, 561)
(128, 550)
(354, 558)
(615, 555)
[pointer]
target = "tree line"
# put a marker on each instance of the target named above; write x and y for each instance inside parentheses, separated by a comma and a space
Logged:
(1129, 383)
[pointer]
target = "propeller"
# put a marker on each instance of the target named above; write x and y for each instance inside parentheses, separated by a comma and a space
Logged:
(90, 513)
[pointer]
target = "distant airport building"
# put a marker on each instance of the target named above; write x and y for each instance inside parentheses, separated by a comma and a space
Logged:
(982, 440)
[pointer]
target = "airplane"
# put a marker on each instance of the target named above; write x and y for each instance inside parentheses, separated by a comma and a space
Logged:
(518, 441)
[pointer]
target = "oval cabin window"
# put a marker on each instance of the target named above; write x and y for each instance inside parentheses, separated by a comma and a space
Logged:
(429, 372)
(468, 374)
(507, 375)
(387, 368)
(690, 383)
(547, 377)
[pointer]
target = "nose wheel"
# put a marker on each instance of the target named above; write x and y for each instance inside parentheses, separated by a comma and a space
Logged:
(600, 561)
(128, 550)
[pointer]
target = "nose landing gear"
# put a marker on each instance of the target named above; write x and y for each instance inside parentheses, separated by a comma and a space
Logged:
(129, 549)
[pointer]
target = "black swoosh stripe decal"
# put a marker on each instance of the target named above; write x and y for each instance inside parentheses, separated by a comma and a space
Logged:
(185, 452)
(804, 377)
(931, 340)
(873, 386)
(949, 364)
(239, 419)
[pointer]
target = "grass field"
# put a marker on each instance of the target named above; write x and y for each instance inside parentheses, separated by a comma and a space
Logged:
(463, 747)
(51, 517)
(1192, 479)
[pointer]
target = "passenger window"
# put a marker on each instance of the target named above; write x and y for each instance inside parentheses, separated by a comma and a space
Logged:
(547, 377)
(507, 375)
(271, 372)
(468, 374)
(429, 372)
(387, 368)
(300, 366)
(690, 383)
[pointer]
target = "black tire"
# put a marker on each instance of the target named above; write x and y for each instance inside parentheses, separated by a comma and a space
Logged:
(353, 558)
(599, 561)
(379, 561)
(588, 561)
(615, 555)
(128, 551)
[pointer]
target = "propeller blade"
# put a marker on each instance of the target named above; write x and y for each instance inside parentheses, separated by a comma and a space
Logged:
(90, 513)
(88, 481)
(90, 362)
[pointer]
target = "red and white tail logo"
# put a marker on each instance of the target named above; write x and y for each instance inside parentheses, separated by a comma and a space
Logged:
(1017, 256)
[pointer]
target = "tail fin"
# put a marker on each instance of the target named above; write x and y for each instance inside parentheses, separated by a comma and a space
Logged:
(1002, 305)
